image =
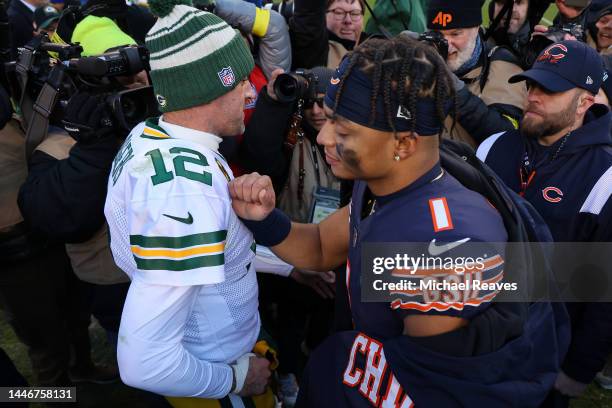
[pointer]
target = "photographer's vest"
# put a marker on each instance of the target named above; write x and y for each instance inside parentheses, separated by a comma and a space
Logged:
(297, 198)
(14, 170)
(92, 260)
(496, 90)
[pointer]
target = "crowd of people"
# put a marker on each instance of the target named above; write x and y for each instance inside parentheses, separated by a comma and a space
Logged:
(205, 179)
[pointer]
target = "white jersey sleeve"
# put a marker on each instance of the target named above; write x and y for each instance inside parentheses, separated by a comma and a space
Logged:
(150, 351)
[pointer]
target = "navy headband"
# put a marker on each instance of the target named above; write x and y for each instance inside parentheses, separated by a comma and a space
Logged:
(354, 105)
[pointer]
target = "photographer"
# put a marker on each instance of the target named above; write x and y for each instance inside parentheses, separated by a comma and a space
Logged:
(280, 141)
(486, 103)
(323, 31)
(63, 196)
(514, 29)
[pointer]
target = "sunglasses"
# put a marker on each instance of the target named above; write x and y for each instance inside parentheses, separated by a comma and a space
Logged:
(310, 102)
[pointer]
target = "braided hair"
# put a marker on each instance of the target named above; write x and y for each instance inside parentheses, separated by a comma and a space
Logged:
(410, 68)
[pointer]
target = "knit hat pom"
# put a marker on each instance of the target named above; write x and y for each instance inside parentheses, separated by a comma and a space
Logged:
(161, 8)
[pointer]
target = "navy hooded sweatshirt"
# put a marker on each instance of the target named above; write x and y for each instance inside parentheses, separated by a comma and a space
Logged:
(570, 185)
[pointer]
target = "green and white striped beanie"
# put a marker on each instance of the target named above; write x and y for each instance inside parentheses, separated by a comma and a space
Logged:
(195, 56)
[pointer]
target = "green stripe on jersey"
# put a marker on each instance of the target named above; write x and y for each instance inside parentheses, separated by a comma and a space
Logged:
(178, 242)
(184, 265)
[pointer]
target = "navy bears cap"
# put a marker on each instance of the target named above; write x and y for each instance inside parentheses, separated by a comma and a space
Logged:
(566, 65)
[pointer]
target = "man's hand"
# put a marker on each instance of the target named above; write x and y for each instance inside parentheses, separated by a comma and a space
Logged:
(320, 282)
(87, 118)
(253, 196)
(271, 82)
(257, 377)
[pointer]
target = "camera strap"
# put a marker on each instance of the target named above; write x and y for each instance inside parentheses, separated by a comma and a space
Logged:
(38, 125)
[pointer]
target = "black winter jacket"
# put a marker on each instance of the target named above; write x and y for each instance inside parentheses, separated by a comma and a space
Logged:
(64, 199)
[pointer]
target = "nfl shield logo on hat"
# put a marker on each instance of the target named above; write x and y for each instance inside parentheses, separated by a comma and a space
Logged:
(226, 75)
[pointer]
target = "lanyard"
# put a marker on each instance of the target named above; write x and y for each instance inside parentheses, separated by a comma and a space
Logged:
(526, 174)
(527, 170)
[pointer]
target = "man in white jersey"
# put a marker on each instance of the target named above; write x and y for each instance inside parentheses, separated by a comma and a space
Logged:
(190, 318)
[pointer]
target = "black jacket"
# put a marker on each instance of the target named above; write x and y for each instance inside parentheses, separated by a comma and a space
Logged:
(262, 147)
(64, 199)
(309, 35)
(21, 21)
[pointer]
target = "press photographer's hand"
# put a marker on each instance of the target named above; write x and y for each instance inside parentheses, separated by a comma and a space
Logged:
(87, 118)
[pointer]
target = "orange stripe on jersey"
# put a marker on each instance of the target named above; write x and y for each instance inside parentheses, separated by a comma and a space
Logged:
(440, 214)
(441, 306)
(168, 253)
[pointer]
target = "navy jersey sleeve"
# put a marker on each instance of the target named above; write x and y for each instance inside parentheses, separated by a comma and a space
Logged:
(462, 264)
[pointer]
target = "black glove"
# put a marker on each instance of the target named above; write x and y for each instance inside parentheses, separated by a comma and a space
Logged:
(87, 118)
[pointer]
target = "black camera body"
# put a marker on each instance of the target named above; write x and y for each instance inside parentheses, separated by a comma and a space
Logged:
(437, 40)
(300, 84)
(68, 73)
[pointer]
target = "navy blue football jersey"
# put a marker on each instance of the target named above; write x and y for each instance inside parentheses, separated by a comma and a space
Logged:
(434, 209)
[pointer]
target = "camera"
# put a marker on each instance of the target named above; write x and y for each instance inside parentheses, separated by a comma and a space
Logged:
(300, 84)
(437, 40)
(554, 34)
(45, 68)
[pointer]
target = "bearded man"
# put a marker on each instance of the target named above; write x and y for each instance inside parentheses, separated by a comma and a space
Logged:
(561, 162)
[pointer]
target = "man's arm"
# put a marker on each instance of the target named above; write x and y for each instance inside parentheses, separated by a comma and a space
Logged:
(150, 353)
(64, 199)
(317, 247)
(262, 147)
(481, 120)
(309, 36)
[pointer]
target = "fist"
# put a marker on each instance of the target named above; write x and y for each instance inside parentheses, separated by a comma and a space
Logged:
(257, 377)
(252, 196)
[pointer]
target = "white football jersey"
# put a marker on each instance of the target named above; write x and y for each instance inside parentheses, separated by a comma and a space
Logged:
(171, 223)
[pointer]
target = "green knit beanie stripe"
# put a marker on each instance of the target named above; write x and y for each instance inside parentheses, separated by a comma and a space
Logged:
(181, 43)
(195, 58)
(176, 25)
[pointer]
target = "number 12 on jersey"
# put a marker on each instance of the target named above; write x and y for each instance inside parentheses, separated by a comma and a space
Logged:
(163, 175)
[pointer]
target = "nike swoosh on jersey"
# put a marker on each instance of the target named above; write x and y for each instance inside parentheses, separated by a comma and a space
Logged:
(435, 250)
(188, 220)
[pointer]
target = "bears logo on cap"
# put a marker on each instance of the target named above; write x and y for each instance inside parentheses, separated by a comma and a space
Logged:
(550, 57)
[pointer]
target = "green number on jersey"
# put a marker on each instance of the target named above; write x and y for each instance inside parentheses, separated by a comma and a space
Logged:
(162, 175)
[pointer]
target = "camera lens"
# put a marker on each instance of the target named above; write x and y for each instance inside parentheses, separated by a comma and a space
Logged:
(130, 108)
(290, 87)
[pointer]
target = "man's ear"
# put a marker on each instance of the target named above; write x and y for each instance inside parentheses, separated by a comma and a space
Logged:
(405, 144)
(586, 101)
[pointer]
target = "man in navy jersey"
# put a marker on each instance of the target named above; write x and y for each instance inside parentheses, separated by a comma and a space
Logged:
(385, 107)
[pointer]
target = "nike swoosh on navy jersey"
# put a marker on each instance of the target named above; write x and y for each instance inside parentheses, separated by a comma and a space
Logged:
(188, 220)
(435, 250)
